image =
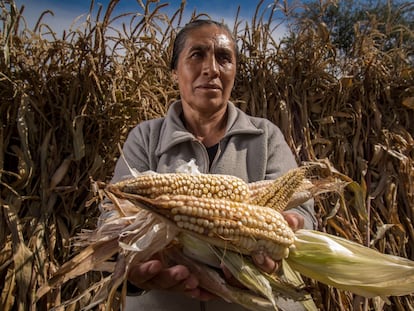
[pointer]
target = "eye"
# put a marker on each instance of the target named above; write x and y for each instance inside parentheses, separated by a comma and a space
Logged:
(225, 58)
(196, 54)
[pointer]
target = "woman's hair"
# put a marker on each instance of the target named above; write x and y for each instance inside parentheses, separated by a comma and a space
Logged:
(183, 33)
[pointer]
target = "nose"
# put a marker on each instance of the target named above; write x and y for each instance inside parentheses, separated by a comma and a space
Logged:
(211, 66)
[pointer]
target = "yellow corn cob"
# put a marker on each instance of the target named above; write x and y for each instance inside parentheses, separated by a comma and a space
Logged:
(200, 185)
(243, 227)
(277, 194)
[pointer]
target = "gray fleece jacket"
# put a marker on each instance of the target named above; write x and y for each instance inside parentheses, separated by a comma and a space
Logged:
(253, 149)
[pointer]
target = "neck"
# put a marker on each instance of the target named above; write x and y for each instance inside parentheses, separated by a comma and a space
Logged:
(208, 130)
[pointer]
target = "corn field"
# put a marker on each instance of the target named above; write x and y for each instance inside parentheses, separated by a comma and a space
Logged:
(67, 101)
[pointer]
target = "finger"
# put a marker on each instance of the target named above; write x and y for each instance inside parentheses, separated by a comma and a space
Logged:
(141, 273)
(176, 278)
(265, 263)
(179, 278)
(295, 220)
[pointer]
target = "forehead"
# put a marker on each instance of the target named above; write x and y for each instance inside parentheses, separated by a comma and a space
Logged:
(208, 35)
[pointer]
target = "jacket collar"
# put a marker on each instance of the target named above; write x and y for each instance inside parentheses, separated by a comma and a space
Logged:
(173, 131)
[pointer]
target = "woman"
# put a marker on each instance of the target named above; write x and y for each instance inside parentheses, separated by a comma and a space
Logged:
(204, 125)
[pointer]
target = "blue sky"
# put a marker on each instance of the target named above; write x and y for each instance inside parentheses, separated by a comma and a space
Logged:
(65, 12)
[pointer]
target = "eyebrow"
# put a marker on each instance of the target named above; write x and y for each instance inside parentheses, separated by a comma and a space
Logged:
(202, 47)
(205, 47)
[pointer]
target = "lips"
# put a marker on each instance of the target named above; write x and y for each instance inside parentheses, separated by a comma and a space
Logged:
(209, 86)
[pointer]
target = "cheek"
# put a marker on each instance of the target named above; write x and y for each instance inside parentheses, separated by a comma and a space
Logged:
(185, 84)
(188, 74)
(229, 72)
(229, 78)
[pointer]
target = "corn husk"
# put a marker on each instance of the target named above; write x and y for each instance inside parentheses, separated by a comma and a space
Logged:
(350, 266)
(242, 268)
(212, 281)
(124, 230)
(295, 279)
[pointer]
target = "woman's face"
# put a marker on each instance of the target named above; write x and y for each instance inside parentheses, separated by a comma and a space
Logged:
(206, 69)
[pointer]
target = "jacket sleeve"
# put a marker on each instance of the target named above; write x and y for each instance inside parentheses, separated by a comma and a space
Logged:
(134, 154)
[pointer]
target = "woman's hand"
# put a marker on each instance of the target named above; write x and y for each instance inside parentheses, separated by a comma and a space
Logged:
(264, 262)
(154, 275)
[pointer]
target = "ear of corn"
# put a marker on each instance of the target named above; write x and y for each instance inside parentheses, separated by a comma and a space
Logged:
(277, 194)
(239, 226)
(257, 187)
(198, 185)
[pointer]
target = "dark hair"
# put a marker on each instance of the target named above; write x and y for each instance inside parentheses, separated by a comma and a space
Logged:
(183, 33)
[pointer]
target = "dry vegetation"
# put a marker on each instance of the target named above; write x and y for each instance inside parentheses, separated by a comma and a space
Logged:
(68, 99)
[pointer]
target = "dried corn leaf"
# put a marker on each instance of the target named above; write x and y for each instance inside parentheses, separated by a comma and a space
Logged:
(22, 259)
